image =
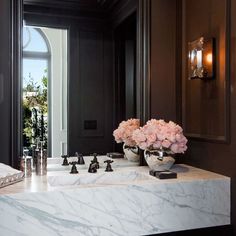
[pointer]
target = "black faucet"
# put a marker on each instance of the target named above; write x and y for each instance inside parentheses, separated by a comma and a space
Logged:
(73, 168)
(65, 161)
(80, 159)
(95, 160)
(108, 168)
(92, 167)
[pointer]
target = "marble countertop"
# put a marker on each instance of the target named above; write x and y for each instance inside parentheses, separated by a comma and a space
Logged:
(196, 199)
(40, 183)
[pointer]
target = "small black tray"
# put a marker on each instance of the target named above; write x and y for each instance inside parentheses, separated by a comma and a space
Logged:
(167, 174)
(114, 155)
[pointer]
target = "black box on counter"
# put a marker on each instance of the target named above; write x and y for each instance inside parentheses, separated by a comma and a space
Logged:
(167, 174)
(115, 155)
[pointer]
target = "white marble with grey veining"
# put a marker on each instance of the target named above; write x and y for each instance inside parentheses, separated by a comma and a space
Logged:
(119, 176)
(196, 199)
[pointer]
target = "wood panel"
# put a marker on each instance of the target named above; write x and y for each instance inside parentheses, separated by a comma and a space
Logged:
(10, 22)
(205, 154)
(220, 157)
(86, 4)
(91, 83)
(205, 103)
(125, 38)
(77, 8)
(91, 92)
(5, 82)
(121, 10)
(163, 59)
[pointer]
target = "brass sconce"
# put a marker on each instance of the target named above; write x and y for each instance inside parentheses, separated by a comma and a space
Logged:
(201, 59)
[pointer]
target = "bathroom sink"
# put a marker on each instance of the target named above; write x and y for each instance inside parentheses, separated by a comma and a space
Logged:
(101, 178)
(54, 164)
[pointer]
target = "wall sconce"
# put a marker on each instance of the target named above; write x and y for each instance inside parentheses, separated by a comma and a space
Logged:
(201, 59)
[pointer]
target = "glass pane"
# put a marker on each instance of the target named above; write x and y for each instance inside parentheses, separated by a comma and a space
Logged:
(33, 40)
(35, 104)
(34, 70)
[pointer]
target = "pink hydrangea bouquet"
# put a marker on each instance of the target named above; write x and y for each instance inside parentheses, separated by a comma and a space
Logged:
(124, 133)
(160, 135)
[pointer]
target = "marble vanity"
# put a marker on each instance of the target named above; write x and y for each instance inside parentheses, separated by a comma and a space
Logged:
(127, 201)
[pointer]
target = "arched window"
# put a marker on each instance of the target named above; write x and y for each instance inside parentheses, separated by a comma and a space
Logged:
(35, 47)
(36, 64)
(34, 40)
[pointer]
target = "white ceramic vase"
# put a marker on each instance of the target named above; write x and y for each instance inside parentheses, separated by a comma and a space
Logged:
(158, 162)
(131, 153)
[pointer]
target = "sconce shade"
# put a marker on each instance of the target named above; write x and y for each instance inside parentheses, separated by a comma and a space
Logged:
(201, 59)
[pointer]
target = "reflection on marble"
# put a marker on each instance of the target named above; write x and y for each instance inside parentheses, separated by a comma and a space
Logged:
(196, 199)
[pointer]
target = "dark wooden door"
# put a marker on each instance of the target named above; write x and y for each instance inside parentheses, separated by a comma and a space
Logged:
(10, 34)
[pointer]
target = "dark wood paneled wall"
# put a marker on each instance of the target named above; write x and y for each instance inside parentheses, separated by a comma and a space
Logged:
(91, 95)
(125, 38)
(5, 86)
(205, 113)
(166, 80)
(10, 22)
(121, 10)
(163, 64)
(217, 157)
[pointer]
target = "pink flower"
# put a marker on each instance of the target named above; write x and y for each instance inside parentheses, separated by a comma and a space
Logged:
(157, 145)
(166, 143)
(172, 138)
(151, 138)
(139, 136)
(125, 131)
(174, 148)
(158, 134)
(143, 145)
(161, 136)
